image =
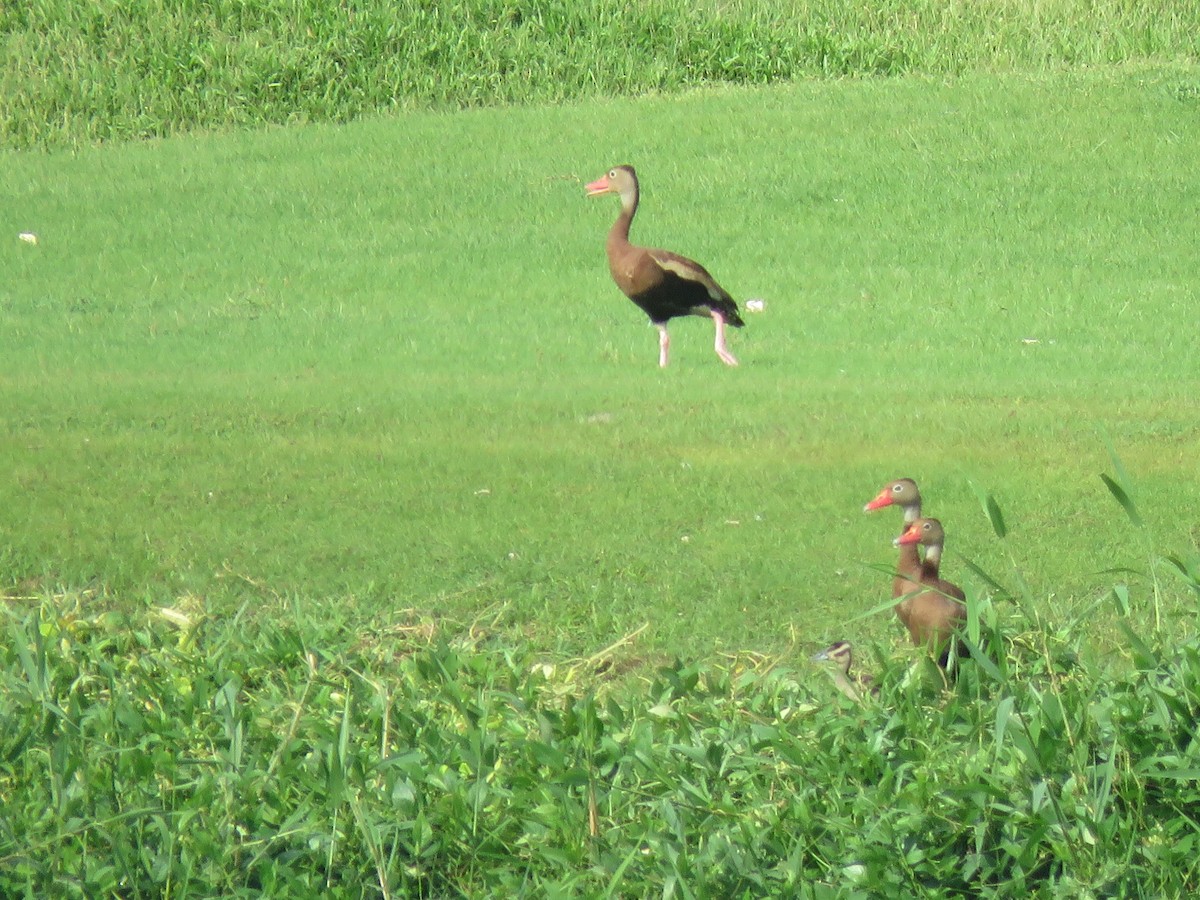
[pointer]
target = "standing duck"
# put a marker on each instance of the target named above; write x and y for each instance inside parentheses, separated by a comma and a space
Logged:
(856, 687)
(903, 493)
(664, 284)
(931, 616)
(911, 572)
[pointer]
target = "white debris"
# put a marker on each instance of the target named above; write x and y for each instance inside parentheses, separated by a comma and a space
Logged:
(28, 237)
(175, 617)
(756, 305)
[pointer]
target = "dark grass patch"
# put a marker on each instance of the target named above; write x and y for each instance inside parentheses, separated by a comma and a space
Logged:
(143, 69)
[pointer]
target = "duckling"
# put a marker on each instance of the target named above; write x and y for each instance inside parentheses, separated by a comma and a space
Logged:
(856, 687)
(933, 614)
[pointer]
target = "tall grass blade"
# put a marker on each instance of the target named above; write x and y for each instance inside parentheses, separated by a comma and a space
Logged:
(1120, 595)
(34, 671)
(1175, 774)
(1004, 711)
(1145, 657)
(991, 509)
(874, 610)
(984, 576)
(615, 883)
(1115, 459)
(1122, 497)
(1186, 569)
(982, 660)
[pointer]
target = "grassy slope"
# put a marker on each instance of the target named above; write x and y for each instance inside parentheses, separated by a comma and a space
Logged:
(381, 366)
(75, 73)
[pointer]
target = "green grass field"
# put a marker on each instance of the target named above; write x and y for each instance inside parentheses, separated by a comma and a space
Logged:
(382, 365)
(463, 595)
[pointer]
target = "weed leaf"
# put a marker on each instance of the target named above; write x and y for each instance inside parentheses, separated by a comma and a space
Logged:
(987, 579)
(991, 509)
(984, 663)
(1122, 497)
(1185, 569)
(1004, 710)
(1143, 655)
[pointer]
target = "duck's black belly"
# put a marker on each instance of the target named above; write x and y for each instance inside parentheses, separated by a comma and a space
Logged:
(675, 297)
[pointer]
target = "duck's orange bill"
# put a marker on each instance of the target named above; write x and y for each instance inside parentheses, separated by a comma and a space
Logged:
(884, 499)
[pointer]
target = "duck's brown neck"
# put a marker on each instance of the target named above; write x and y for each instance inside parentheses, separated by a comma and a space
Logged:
(909, 564)
(618, 235)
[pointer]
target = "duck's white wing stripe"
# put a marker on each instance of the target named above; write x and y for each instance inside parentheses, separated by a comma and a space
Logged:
(690, 271)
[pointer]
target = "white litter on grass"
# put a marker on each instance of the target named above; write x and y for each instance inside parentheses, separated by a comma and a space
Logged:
(756, 305)
(175, 617)
(28, 237)
(1031, 340)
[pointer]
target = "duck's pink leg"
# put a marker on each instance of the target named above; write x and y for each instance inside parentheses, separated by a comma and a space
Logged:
(719, 344)
(664, 345)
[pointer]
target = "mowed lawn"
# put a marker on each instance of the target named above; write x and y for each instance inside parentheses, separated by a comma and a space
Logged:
(378, 372)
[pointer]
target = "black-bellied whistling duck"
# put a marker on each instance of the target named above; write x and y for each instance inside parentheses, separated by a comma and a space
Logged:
(856, 686)
(931, 616)
(664, 284)
(911, 572)
(903, 493)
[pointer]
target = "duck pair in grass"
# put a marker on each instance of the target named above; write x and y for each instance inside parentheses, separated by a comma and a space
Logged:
(930, 607)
